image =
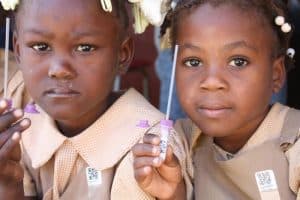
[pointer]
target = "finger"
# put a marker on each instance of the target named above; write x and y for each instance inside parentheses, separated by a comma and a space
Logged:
(4, 105)
(143, 176)
(170, 170)
(146, 161)
(16, 153)
(7, 149)
(151, 139)
(18, 127)
(12, 170)
(171, 160)
(142, 149)
(8, 118)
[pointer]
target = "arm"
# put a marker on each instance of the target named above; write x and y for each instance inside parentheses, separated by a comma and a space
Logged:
(161, 179)
(180, 192)
(11, 171)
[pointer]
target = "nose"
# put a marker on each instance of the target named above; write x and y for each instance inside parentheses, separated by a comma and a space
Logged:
(213, 79)
(61, 69)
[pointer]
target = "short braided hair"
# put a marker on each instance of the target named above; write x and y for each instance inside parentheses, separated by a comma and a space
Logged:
(119, 9)
(268, 9)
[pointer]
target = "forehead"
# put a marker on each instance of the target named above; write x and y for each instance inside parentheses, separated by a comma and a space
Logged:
(77, 14)
(224, 24)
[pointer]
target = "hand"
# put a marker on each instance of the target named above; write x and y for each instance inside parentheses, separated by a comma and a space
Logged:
(161, 179)
(11, 172)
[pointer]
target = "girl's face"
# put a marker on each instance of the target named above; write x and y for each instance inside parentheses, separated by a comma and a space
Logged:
(69, 53)
(225, 70)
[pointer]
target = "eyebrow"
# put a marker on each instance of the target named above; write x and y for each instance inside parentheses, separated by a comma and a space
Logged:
(79, 34)
(75, 34)
(38, 32)
(239, 44)
(230, 46)
(190, 46)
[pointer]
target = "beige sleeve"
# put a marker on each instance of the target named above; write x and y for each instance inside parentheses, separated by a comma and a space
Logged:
(28, 181)
(294, 168)
(17, 92)
(124, 185)
(180, 147)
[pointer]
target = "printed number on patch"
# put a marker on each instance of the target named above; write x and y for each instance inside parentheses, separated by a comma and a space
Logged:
(266, 180)
(93, 176)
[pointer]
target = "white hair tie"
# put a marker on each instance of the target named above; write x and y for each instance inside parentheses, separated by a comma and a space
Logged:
(149, 12)
(290, 52)
(9, 4)
(106, 5)
(285, 27)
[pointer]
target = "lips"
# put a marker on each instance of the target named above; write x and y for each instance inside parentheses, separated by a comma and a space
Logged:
(214, 111)
(61, 92)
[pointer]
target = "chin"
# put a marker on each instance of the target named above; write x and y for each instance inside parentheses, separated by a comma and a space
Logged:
(57, 112)
(62, 116)
(213, 130)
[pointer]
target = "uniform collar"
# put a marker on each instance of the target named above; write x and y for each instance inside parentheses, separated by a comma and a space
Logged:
(269, 129)
(102, 144)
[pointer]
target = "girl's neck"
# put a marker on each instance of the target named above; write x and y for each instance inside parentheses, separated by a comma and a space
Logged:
(232, 144)
(235, 142)
(71, 128)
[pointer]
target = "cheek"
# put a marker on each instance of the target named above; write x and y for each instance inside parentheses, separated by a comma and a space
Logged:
(32, 69)
(253, 92)
(186, 86)
(96, 79)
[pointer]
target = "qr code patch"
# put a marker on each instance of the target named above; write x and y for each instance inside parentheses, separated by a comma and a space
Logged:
(93, 176)
(266, 180)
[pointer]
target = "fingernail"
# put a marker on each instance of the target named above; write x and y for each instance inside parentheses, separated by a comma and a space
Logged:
(156, 160)
(147, 169)
(24, 123)
(18, 113)
(16, 136)
(155, 150)
(3, 104)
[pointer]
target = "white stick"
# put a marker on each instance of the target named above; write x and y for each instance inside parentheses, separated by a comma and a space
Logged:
(6, 56)
(172, 82)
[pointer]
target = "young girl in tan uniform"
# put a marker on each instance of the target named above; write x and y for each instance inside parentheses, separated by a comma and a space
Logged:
(232, 57)
(77, 146)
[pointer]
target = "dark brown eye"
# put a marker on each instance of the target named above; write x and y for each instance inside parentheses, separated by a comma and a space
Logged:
(238, 62)
(41, 47)
(85, 48)
(192, 62)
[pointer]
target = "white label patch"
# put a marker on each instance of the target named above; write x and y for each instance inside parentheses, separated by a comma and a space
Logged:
(266, 180)
(93, 176)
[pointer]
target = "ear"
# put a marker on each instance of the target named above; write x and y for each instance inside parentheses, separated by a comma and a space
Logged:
(279, 73)
(125, 55)
(16, 47)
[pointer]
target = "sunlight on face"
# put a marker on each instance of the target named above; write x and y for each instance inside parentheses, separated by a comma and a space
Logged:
(225, 69)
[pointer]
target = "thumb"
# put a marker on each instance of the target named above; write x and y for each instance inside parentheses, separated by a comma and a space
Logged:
(170, 170)
(144, 176)
(171, 160)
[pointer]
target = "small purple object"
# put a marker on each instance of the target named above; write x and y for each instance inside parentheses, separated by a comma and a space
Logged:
(9, 103)
(167, 123)
(30, 108)
(143, 124)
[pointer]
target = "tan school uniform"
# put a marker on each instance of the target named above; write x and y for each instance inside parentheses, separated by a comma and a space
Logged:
(55, 166)
(16, 88)
(248, 174)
